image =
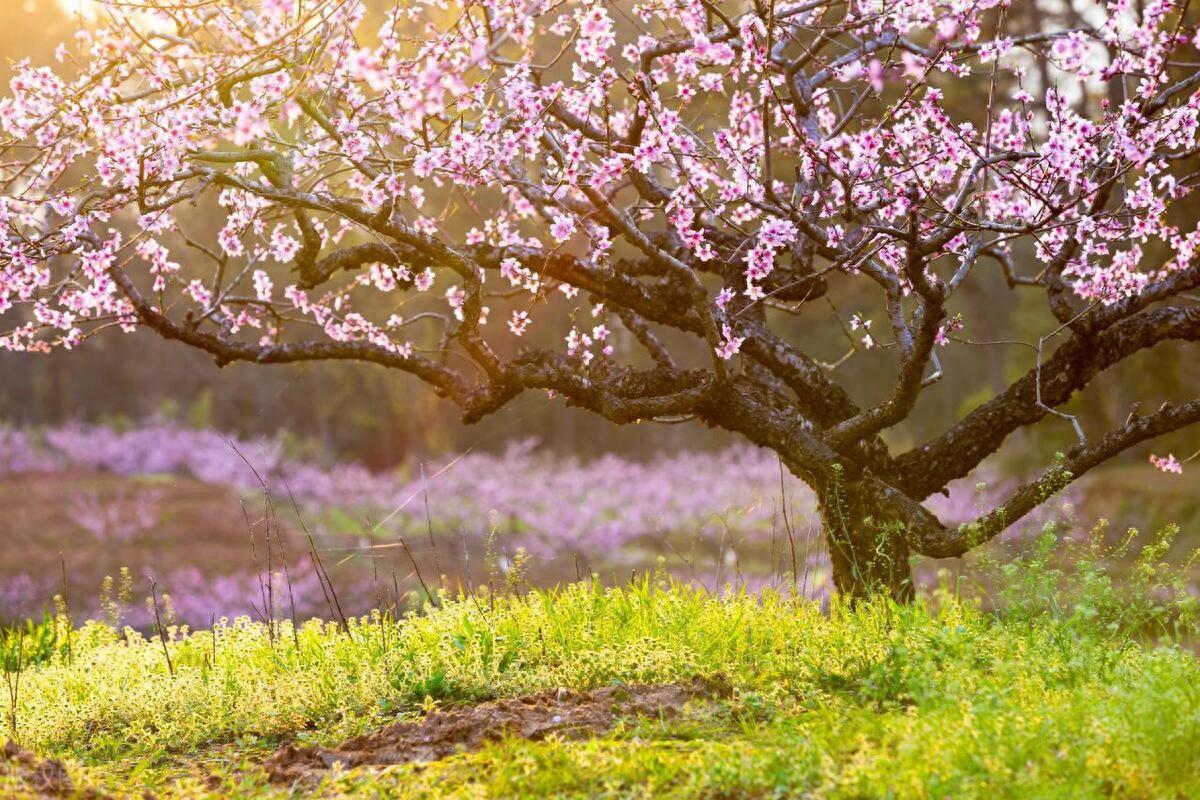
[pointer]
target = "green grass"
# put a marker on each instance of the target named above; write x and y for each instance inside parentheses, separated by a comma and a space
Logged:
(1060, 696)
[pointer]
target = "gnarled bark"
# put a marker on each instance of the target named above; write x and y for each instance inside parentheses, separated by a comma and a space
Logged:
(867, 536)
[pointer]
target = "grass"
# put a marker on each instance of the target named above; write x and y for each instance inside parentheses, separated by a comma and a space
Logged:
(1088, 694)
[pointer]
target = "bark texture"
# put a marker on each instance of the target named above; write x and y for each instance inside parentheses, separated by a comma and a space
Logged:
(867, 539)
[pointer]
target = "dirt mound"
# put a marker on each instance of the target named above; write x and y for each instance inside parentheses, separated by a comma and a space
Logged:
(567, 713)
(42, 777)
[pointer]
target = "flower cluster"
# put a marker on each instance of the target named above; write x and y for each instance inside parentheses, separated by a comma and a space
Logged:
(139, 111)
(1167, 463)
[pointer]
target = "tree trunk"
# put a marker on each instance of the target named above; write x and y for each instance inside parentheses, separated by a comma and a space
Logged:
(866, 539)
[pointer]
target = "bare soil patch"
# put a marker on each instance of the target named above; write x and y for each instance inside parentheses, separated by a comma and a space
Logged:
(562, 712)
(40, 777)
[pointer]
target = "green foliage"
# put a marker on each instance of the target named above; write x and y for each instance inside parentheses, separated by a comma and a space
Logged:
(1100, 584)
(34, 642)
(1059, 695)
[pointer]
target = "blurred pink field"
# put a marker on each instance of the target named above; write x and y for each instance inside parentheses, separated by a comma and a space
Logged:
(185, 508)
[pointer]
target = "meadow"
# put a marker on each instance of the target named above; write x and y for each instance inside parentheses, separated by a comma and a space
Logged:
(1079, 686)
(342, 632)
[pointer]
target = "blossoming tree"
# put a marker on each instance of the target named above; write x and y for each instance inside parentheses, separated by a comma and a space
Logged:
(691, 173)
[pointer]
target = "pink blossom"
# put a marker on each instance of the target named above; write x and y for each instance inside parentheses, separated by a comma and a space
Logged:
(519, 322)
(730, 344)
(249, 123)
(563, 227)
(1167, 463)
(262, 285)
(558, 153)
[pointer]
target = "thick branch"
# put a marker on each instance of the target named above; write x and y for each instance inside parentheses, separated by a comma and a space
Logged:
(1079, 461)
(348, 258)
(926, 469)
(226, 351)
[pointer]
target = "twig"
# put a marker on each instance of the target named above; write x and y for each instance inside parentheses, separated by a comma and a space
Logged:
(319, 565)
(791, 534)
(262, 589)
(270, 572)
(13, 680)
(720, 560)
(417, 570)
(317, 568)
(429, 524)
(287, 575)
(162, 636)
(62, 560)
(467, 561)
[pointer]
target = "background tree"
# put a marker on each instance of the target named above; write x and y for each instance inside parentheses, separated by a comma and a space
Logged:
(420, 191)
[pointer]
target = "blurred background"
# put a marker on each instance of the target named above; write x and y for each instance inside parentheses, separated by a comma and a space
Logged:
(135, 452)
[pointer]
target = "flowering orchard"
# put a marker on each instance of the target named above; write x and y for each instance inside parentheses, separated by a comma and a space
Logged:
(553, 506)
(724, 517)
(678, 188)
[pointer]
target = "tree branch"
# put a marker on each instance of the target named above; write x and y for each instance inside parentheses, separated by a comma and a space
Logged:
(929, 467)
(1029, 496)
